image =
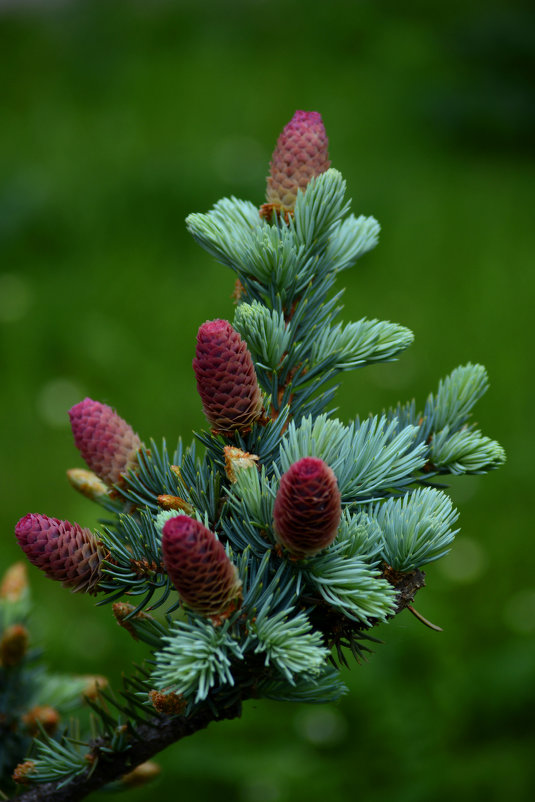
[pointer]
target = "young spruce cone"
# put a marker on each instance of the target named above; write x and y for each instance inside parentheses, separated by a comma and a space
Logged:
(64, 551)
(226, 378)
(301, 154)
(107, 443)
(307, 507)
(198, 567)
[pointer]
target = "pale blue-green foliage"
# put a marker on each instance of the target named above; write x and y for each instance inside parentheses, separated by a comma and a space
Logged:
(319, 210)
(417, 529)
(345, 581)
(364, 532)
(257, 493)
(251, 499)
(253, 248)
(369, 458)
(360, 343)
(285, 257)
(289, 643)
(265, 331)
(465, 451)
(196, 657)
(354, 237)
(227, 224)
(455, 398)
(454, 446)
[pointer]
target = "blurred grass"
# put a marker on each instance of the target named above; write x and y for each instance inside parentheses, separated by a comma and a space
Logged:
(118, 119)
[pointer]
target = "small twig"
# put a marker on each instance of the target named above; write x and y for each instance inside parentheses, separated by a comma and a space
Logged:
(420, 617)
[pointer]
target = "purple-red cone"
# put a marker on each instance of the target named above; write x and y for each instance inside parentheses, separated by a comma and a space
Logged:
(301, 154)
(107, 443)
(226, 378)
(198, 567)
(64, 551)
(307, 507)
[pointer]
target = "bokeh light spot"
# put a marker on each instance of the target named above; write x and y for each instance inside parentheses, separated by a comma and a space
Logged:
(465, 563)
(55, 399)
(261, 789)
(321, 726)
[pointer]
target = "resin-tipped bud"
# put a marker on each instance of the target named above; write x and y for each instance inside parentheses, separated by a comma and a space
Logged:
(13, 645)
(107, 443)
(41, 717)
(94, 684)
(300, 155)
(14, 584)
(226, 378)
(65, 551)
(237, 460)
(88, 484)
(198, 567)
(23, 772)
(141, 775)
(307, 508)
(170, 704)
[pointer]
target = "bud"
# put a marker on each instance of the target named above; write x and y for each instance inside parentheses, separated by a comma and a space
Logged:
(106, 441)
(94, 684)
(13, 645)
(301, 154)
(226, 378)
(23, 772)
(123, 615)
(307, 508)
(237, 460)
(14, 583)
(64, 551)
(168, 502)
(87, 483)
(170, 704)
(141, 775)
(41, 716)
(198, 567)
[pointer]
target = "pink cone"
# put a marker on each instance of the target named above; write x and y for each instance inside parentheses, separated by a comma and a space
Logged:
(226, 378)
(307, 507)
(198, 566)
(301, 154)
(63, 550)
(107, 443)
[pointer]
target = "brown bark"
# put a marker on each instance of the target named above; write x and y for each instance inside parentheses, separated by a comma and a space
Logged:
(150, 739)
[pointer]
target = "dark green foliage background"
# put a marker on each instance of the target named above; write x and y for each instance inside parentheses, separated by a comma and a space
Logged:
(118, 119)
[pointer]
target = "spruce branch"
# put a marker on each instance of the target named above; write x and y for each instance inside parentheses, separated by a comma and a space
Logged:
(274, 544)
(103, 767)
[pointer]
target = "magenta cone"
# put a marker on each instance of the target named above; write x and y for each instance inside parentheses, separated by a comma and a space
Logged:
(301, 154)
(307, 507)
(64, 551)
(107, 443)
(198, 566)
(226, 378)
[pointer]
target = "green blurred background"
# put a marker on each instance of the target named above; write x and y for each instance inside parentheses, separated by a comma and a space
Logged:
(118, 119)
